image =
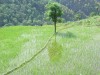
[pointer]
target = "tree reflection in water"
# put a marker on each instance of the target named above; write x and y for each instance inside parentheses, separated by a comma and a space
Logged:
(55, 51)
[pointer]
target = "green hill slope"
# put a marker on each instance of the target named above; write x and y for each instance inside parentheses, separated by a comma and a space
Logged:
(74, 51)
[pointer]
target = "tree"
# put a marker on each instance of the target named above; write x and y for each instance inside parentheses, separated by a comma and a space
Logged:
(54, 12)
(78, 16)
(92, 13)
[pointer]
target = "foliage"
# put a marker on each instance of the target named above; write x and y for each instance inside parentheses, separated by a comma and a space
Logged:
(26, 12)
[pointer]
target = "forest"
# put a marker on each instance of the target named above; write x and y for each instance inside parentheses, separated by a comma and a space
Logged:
(31, 12)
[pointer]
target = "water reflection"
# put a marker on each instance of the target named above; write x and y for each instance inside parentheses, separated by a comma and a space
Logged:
(55, 51)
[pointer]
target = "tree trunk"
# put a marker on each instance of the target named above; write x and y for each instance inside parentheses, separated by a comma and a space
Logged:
(55, 20)
(55, 27)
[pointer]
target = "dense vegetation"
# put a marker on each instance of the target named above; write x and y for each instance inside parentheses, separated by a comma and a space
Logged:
(31, 12)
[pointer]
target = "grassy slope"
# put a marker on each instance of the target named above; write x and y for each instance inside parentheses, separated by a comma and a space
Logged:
(76, 51)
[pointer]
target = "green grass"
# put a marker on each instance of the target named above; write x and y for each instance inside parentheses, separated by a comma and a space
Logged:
(74, 51)
(10, 44)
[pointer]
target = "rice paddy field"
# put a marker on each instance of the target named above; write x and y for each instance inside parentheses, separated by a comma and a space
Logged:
(75, 50)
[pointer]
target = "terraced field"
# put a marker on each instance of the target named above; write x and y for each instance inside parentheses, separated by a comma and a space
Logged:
(73, 51)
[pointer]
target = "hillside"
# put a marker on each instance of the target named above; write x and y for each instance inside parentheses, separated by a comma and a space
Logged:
(74, 51)
(31, 12)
